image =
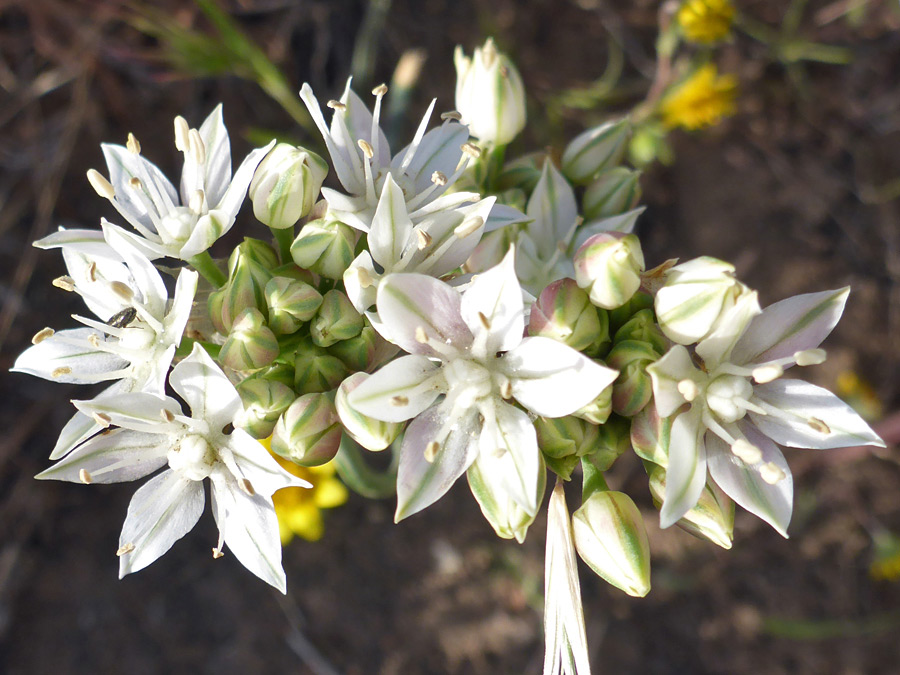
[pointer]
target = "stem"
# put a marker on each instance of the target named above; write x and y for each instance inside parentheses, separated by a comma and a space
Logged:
(494, 168)
(203, 263)
(593, 480)
(187, 346)
(361, 478)
(284, 238)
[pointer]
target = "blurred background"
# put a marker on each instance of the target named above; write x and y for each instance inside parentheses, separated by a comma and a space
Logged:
(799, 188)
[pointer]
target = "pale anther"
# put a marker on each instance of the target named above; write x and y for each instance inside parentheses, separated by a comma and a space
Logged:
(42, 335)
(810, 357)
(818, 425)
(122, 290)
(439, 178)
(431, 451)
(506, 390)
(765, 374)
(424, 239)
(688, 389)
(133, 144)
(196, 202)
(135, 183)
(771, 473)
(85, 477)
(102, 186)
(124, 549)
(92, 271)
(336, 105)
(399, 401)
(94, 340)
(380, 90)
(102, 419)
(746, 451)
(181, 134)
(217, 553)
(471, 150)
(59, 372)
(197, 146)
(166, 415)
(421, 335)
(367, 149)
(469, 226)
(66, 283)
(451, 115)
(365, 279)
(484, 321)
(247, 487)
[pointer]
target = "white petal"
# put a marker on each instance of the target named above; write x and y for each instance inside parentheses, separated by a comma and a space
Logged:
(250, 529)
(206, 232)
(138, 411)
(552, 379)
(358, 119)
(806, 406)
(409, 304)
(624, 222)
(493, 309)
(508, 448)
(206, 389)
(400, 390)
(259, 467)
(717, 347)
(420, 483)
(182, 301)
(440, 150)
(161, 512)
(125, 165)
(56, 359)
(676, 365)
(87, 242)
(447, 250)
(77, 430)
(790, 326)
(552, 208)
(686, 473)
(348, 167)
(502, 215)
(744, 483)
(362, 297)
(217, 169)
(116, 456)
(234, 196)
(391, 227)
(146, 279)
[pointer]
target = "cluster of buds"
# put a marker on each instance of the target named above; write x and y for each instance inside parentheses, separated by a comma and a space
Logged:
(499, 332)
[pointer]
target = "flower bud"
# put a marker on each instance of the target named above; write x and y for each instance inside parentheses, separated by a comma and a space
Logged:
(286, 185)
(613, 440)
(564, 313)
(255, 251)
(619, 316)
(277, 372)
(712, 518)
(598, 410)
(264, 401)
(248, 274)
(610, 537)
(335, 320)
(309, 431)
(522, 173)
(596, 150)
(324, 247)
(370, 433)
(315, 370)
(696, 294)
(564, 440)
(650, 435)
(609, 266)
(250, 344)
(490, 95)
(291, 303)
(613, 192)
(633, 389)
(365, 352)
(642, 327)
(214, 306)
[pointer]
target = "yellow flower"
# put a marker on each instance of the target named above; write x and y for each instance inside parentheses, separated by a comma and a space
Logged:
(705, 21)
(702, 100)
(299, 510)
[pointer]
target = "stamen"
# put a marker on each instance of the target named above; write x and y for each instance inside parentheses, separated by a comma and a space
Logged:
(182, 130)
(85, 477)
(167, 415)
(810, 357)
(92, 271)
(196, 202)
(367, 149)
(471, 150)
(439, 178)
(468, 227)
(135, 182)
(421, 335)
(365, 279)
(764, 374)
(746, 451)
(132, 144)
(431, 451)
(247, 487)
(217, 553)
(484, 321)
(451, 115)
(772, 473)
(66, 283)
(42, 335)
(380, 90)
(424, 239)
(336, 105)
(59, 372)
(717, 428)
(506, 390)
(94, 340)
(102, 419)
(399, 401)
(688, 389)
(818, 425)
(125, 549)
(197, 146)
(499, 452)
(101, 186)
(122, 290)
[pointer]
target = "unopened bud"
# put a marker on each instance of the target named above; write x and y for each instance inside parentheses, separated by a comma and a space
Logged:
(509, 520)
(642, 327)
(250, 344)
(264, 401)
(324, 247)
(564, 313)
(612, 193)
(613, 440)
(291, 303)
(286, 185)
(598, 410)
(248, 274)
(365, 352)
(370, 433)
(564, 440)
(595, 150)
(633, 389)
(315, 370)
(335, 320)
(309, 431)
(609, 267)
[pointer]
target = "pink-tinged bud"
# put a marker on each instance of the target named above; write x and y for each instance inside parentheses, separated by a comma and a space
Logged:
(315, 370)
(291, 303)
(609, 266)
(613, 192)
(286, 185)
(264, 401)
(564, 440)
(642, 327)
(619, 316)
(596, 150)
(712, 518)
(324, 247)
(335, 320)
(365, 352)
(564, 313)
(309, 431)
(250, 344)
(610, 537)
(370, 433)
(633, 389)
(598, 410)
(613, 440)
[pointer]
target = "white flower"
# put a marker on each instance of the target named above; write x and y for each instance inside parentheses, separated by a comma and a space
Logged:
(179, 226)
(468, 363)
(153, 433)
(738, 406)
(424, 170)
(135, 339)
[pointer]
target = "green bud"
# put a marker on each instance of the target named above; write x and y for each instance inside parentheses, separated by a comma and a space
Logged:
(248, 274)
(365, 352)
(613, 192)
(315, 370)
(335, 320)
(286, 185)
(598, 410)
(609, 266)
(564, 440)
(650, 435)
(619, 316)
(291, 303)
(633, 389)
(522, 173)
(613, 440)
(370, 433)
(214, 305)
(642, 327)
(324, 247)
(712, 518)
(250, 344)
(564, 313)
(600, 347)
(309, 431)
(610, 537)
(595, 150)
(277, 372)
(509, 520)
(256, 251)
(264, 402)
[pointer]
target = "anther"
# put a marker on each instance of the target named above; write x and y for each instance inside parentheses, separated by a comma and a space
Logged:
(59, 372)
(101, 186)
(133, 144)
(499, 452)
(94, 340)
(688, 389)
(367, 149)
(122, 290)
(421, 335)
(399, 401)
(431, 451)
(424, 239)
(102, 419)
(818, 425)
(66, 283)
(182, 130)
(506, 390)
(135, 182)
(195, 204)
(810, 357)
(217, 553)
(42, 335)
(772, 473)
(765, 374)
(484, 321)
(85, 477)
(166, 415)
(439, 178)
(365, 279)
(469, 226)
(746, 451)
(471, 150)
(198, 148)
(125, 549)
(92, 271)
(451, 115)
(336, 105)
(380, 90)
(247, 487)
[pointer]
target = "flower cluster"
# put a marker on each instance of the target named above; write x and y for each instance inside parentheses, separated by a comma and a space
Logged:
(467, 314)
